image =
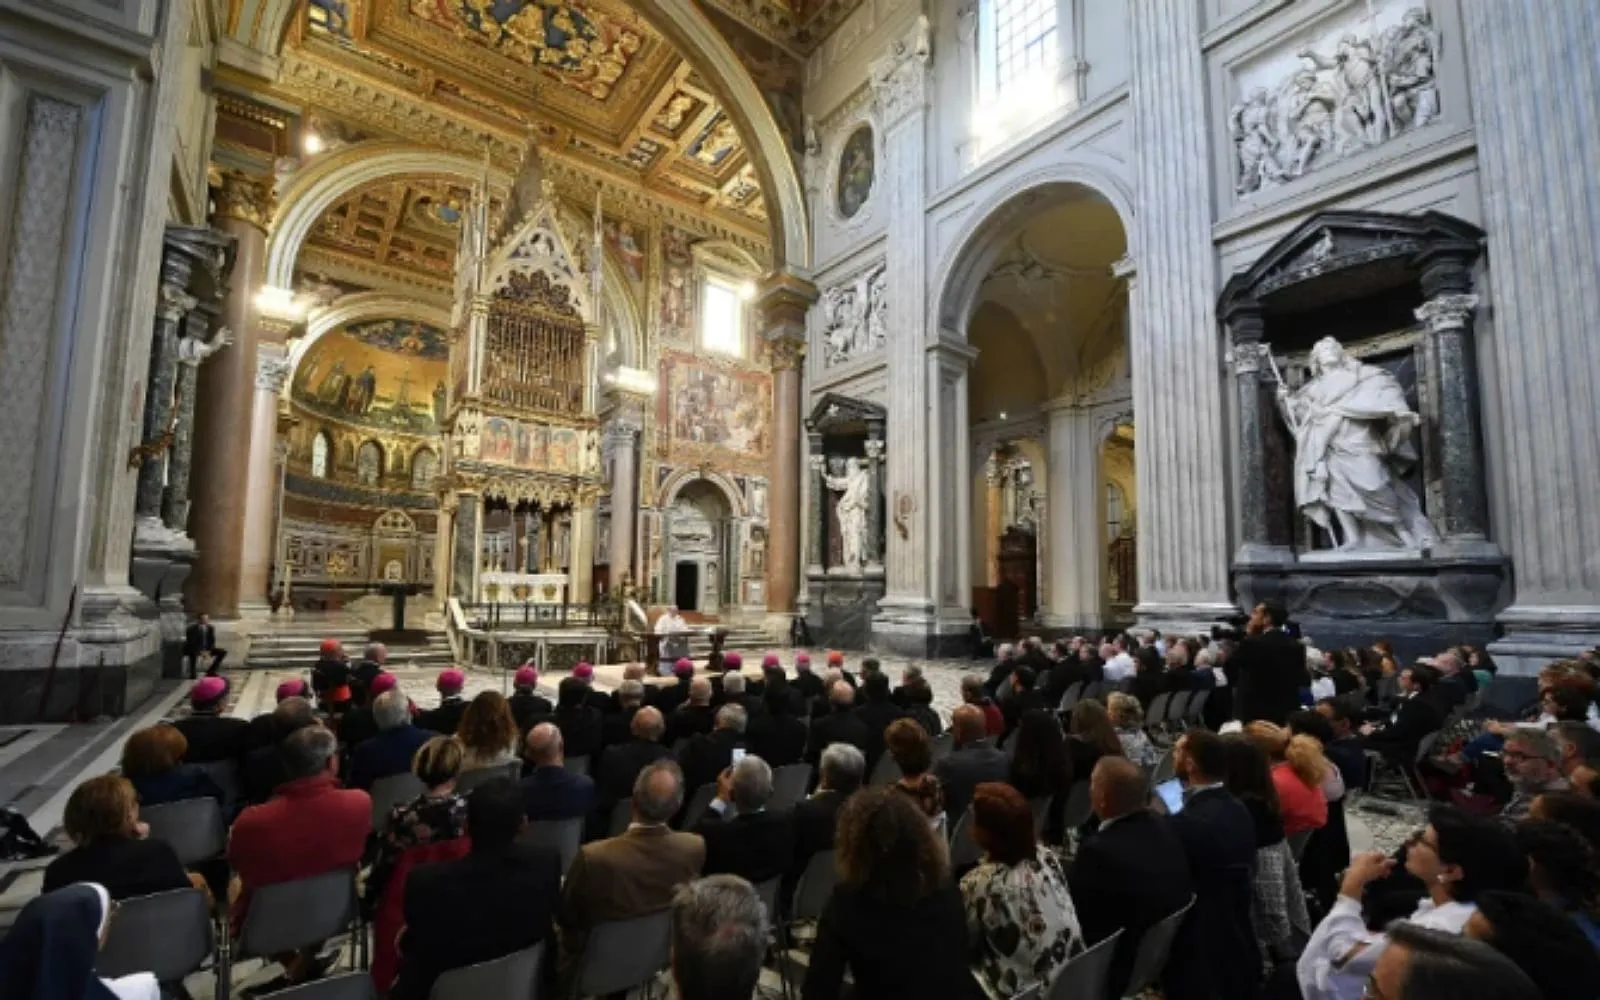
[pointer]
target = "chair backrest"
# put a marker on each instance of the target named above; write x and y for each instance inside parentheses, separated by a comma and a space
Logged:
(768, 891)
(1298, 841)
(1041, 812)
(350, 986)
(886, 771)
(167, 934)
(577, 765)
(511, 977)
(1426, 744)
(816, 884)
(225, 773)
(1156, 712)
(1078, 808)
(621, 816)
(389, 792)
(1197, 706)
(1177, 706)
(293, 915)
(1151, 957)
(193, 827)
(1084, 978)
(698, 804)
(1070, 696)
(565, 835)
(964, 851)
(943, 744)
(789, 786)
(1165, 770)
(624, 954)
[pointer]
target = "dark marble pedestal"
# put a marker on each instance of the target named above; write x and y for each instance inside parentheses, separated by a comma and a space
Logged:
(1420, 605)
(841, 609)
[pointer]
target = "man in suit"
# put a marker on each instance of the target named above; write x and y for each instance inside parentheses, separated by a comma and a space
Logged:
(1414, 716)
(707, 756)
(971, 761)
(777, 735)
(621, 763)
(1005, 661)
(743, 837)
(1132, 872)
(1025, 697)
(805, 681)
(551, 792)
(1345, 749)
(360, 724)
(979, 636)
(736, 691)
(446, 718)
(815, 819)
(1218, 954)
(719, 938)
(498, 899)
(617, 725)
(696, 717)
(200, 639)
(528, 706)
(635, 873)
(1271, 668)
(670, 696)
(263, 769)
(212, 736)
(390, 752)
(876, 711)
(840, 725)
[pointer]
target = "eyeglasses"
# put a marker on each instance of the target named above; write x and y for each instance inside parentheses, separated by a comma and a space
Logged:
(1420, 839)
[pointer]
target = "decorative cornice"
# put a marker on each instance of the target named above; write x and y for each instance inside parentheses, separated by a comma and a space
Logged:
(783, 300)
(245, 197)
(900, 76)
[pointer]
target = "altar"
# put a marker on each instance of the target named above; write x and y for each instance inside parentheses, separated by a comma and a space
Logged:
(500, 586)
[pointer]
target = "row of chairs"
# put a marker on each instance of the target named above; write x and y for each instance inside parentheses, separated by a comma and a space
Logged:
(1085, 977)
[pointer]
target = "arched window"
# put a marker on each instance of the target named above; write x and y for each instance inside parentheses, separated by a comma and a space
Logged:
(321, 448)
(424, 466)
(369, 464)
(1116, 511)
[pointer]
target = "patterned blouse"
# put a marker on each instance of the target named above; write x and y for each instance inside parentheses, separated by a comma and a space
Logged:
(1136, 746)
(1021, 924)
(927, 792)
(423, 820)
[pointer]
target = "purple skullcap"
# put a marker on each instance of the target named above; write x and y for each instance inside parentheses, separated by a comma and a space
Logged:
(732, 661)
(583, 672)
(684, 667)
(770, 660)
(526, 677)
(382, 682)
(802, 662)
(207, 690)
(451, 681)
(291, 689)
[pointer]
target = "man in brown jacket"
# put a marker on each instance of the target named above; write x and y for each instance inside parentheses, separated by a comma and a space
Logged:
(634, 874)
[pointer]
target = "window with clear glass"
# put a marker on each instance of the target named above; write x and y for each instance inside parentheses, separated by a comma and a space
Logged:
(1017, 43)
(319, 456)
(721, 317)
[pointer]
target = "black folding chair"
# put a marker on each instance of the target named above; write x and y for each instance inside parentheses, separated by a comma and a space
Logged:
(290, 916)
(510, 977)
(698, 804)
(565, 835)
(1085, 977)
(1154, 948)
(167, 934)
(624, 955)
(350, 986)
(789, 786)
(389, 792)
(194, 828)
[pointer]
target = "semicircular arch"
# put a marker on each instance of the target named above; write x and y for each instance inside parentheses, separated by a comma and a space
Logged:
(674, 484)
(360, 306)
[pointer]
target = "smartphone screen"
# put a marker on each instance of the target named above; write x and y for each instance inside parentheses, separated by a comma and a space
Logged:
(738, 755)
(1171, 793)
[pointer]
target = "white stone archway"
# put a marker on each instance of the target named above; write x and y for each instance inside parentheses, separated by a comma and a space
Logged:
(703, 520)
(349, 309)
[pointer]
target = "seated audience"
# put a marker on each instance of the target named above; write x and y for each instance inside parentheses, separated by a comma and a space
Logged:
(907, 743)
(1542, 941)
(697, 716)
(359, 725)
(1532, 760)
(1344, 750)
(973, 693)
(1127, 716)
(583, 674)
(1090, 736)
(1025, 697)
(839, 725)
(706, 757)
(1301, 775)
(263, 728)
(1021, 924)
(110, 846)
(1150, 679)
(1278, 905)
(550, 791)
(263, 769)
(363, 673)
(488, 732)
(1563, 871)
(1041, 769)
(498, 899)
(616, 725)
(743, 837)
(719, 939)
(153, 760)
(1414, 716)
(310, 826)
(1456, 857)
(777, 735)
(806, 682)
(621, 763)
(842, 771)
(875, 711)
(1219, 953)
(446, 718)
(673, 696)
(894, 922)
(582, 730)
(735, 691)
(1131, 873)
(971, 761)
(212, 736)
(389, 752)
(528, 706)
(330, 677)
(1575, 809)
(437, 814)
(49, 953)
(919, 698)
(1421, 963)
(633, 874)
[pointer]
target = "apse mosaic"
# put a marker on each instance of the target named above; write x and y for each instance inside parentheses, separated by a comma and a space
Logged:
(403, 336)
(570, 42)
(387, 375)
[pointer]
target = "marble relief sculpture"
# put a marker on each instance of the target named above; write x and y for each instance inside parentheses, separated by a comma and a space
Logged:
(855, 492)
(1352, 432)
(855, 316)
(1368, 90)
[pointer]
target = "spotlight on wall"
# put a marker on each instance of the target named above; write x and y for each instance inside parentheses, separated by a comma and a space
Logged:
(1002, 414)
(312, 143)
(281, 303)
(747, 291)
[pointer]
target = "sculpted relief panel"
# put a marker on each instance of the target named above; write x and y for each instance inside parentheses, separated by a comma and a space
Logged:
(855, 317)
(1375, 81)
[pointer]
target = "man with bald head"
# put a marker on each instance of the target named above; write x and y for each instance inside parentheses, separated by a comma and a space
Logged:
(1132, 872)
(550, 791)
(840, 725)
(695, 717)
(621, 763)
(972, 760)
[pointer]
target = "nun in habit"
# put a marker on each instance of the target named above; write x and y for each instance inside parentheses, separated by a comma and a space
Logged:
(50, 952)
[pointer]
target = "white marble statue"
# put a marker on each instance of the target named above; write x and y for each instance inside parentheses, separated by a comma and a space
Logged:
(855, 317)
(194, 350)
(1352, 433)
(855, 491)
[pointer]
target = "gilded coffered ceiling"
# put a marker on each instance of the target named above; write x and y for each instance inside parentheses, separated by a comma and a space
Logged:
(402, 231)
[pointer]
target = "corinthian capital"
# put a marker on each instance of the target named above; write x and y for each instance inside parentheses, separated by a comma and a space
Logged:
(272, 370)
(900, 75)
(243, 196)
(1447, 312)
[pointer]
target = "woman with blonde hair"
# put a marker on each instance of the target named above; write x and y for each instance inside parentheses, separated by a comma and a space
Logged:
(1090, 736)
(488, 732)
(1301, 774)
(1127, 715)
(437, 814)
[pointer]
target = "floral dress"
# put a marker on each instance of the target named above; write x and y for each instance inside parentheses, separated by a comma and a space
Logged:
(423, 820)
(1021, 924)
(1136, 746)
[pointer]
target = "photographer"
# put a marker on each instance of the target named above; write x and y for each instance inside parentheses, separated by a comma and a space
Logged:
(1269, 667)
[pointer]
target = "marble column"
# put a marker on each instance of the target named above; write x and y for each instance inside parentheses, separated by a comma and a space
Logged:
(180, 461)
(468, 533)
(950, 492)
(223, 413)
(444, 531)
(1534, 83)
(783, 301)
(624, 432)
(1264, 532)
(817, 514)
(991, 520)
(580, 550)
(901, 81)
(1076, 553)
(1181, 460)
(873, 554)
(272, 370)
(160, 397)
(1462, 516)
